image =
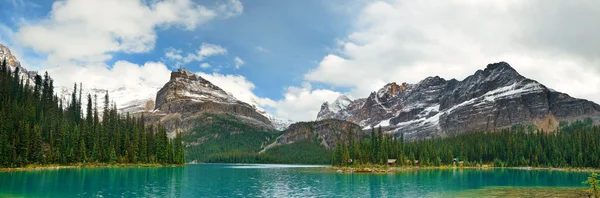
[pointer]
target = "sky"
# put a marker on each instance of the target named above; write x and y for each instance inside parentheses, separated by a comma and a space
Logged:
(289, 57)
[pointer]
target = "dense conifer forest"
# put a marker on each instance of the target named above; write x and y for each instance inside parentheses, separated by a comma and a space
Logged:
(221, 138)
(572, 145)
(38, 128)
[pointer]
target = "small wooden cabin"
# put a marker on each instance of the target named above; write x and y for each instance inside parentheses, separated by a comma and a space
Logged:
(391, 162)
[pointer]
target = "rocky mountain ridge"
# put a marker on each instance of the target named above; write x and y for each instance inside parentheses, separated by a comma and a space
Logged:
(187, 96)
(11, 60)
(141, 98)
(490, 99)
(328, 133)
(13, 63)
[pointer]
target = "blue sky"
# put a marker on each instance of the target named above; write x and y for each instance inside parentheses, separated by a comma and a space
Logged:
(291, 56)
(291, 34)
(278, 40)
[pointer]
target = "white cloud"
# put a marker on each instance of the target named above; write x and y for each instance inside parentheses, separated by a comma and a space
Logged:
(406, 41)
(237, 85)
(231, 8)
(261, 49)
(205, 66)
(79, 36)
(173, 54)
(238, 62)
(83, 30)
(122, 74)
(206, 50)
(302, 103)
(298, 102)
(7, 39)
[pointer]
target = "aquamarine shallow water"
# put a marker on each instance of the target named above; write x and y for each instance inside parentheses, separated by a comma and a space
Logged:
(212, 180)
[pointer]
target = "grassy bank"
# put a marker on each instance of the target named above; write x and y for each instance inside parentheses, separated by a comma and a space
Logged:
(32, 167)
(518, 192)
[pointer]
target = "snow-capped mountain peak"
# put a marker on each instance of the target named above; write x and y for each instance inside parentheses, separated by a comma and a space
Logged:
(340, 103)
(492, 98)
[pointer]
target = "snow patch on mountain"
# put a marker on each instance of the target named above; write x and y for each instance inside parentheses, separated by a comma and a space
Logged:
(495, 97)
(340, 104)
(128, 99)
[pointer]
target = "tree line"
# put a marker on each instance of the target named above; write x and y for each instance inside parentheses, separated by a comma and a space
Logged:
(572, 145)
(37, 127)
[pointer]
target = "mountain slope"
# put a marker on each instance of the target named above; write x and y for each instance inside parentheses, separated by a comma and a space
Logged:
(490, 99)
(224, 138)
(187, 96)
(215, 137)
(11, 60)
(13, 63)
(327, 133)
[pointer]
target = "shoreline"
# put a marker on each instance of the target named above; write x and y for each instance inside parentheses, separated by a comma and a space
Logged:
(374, 169)
(38, 167)
(384, 169)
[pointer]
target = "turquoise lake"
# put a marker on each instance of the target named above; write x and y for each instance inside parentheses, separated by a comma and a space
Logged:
(214, 180)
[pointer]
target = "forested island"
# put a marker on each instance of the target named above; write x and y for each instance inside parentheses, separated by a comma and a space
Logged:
(574, 145)
(38, 129)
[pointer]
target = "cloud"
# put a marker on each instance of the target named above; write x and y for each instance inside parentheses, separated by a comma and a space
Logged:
(302, 103)
(122, 74)
(7, 39)
(554, 42)
(205, 66)
(206, 50)
(78, 37)
(210, 50)
(238, 62)
(82, 30)
(238, 86)
(298, 102)
(261, 49)
(231, 8)
(173, 54)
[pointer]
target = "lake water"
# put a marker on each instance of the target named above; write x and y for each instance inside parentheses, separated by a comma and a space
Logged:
(212, 180)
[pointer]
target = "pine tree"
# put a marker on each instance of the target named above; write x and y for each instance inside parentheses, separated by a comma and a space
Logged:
(594, 189)
(35, 129)
(374, 146)
(82, 150)
(143, 153)
(113, 155)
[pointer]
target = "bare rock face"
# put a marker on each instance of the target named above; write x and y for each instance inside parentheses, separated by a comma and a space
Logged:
(149, 106)
(493, 98)
(11, 60)
(186, 96)
(13, 63)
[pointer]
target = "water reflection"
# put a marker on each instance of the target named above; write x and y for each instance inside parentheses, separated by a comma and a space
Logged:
(265, 181)
(93, 182)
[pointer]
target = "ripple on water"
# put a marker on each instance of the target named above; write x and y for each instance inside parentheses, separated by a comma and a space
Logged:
(265, 166)
(234, 180)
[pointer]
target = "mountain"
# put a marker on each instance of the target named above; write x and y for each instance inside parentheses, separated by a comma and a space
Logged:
(494, 98)
(327, 133)
(11, 60)
(13, 63)
(217, 127)
(136, 99)
(224, 138)
(187, 96)
(216, 135)
(129, 99)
